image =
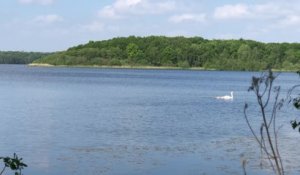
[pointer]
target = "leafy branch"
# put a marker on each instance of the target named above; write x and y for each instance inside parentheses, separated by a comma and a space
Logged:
(296, 103)
(15, 164)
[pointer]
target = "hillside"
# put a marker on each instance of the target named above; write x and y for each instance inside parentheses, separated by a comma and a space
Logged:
(181, 52)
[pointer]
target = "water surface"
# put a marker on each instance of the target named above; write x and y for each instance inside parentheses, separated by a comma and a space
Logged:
(135, 122)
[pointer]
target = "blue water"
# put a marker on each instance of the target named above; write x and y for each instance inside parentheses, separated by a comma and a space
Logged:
(131, 122)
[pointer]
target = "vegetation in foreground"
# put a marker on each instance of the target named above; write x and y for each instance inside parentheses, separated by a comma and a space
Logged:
(182, 52)
(267, 136)
(14, 163)
(269, 103)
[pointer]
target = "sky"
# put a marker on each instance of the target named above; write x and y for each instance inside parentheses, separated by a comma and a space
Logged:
(55, 25)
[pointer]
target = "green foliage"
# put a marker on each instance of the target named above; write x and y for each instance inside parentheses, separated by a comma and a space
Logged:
(115, 62)
(15, 164)
(183, 64)
(181, 52)
(295, 125)
(134, 53)
(296, 103)
(20, 57)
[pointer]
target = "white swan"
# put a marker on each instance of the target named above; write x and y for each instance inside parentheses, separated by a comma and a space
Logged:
(226, 97)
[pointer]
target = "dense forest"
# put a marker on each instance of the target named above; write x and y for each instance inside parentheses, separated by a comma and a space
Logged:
(181, 52)
(10, 57)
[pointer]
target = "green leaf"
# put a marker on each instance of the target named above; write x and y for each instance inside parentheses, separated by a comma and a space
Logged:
(294, 124)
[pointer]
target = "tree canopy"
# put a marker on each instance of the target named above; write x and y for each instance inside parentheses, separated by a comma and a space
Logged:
(181, 52)
(11, 57)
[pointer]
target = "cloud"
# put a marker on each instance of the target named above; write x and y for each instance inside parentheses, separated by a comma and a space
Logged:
(94, 27)
(283, 15)
(268, 9)
(290, 20)
(231, 11)
(40, 2)
(109, 12)
(265, 11)
(166, 6)
(47, 19)
(187, 17)
(269, 20)
(123, 8)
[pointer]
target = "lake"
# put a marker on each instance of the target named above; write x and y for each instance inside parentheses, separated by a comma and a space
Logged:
(133, 122)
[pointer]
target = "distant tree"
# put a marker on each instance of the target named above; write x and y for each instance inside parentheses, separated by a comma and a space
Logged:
(133, 53)
(151, 54)
(177, 51)
(11, 57)
(169, 56)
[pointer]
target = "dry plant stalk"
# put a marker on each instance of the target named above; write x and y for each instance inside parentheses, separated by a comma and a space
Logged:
(267, 136)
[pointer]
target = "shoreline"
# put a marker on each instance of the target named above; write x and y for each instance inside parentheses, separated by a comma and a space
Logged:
(118, 67)
(145, 67)
(39, 65)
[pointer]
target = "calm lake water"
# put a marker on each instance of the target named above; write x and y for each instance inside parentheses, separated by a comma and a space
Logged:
(133, 122)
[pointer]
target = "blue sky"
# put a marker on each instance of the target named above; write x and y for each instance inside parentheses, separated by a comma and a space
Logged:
(54, 25)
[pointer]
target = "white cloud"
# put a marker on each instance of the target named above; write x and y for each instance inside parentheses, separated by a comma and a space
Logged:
(187, 17)
(124, 4)
(267, 8)
(265, 11)
(270, 20)
(166, 6)
(47, 19)
(290, 20)
(272, 11)
(280, 15)
(41, 2)
(124, 8)
(94, 27)
(231, 11)
(109, 12)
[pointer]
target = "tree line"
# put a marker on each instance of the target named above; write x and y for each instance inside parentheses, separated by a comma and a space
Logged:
(182, 52)
(14, 57)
